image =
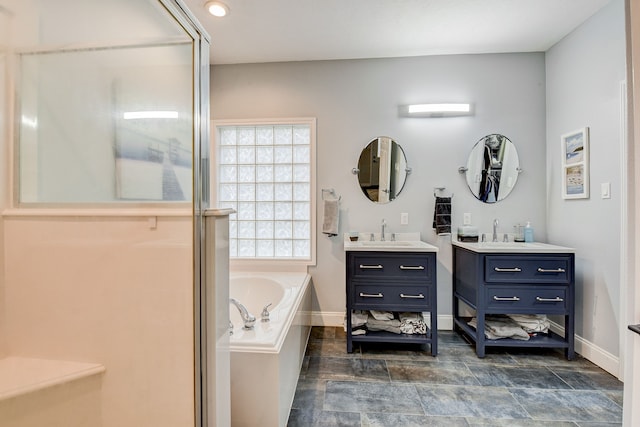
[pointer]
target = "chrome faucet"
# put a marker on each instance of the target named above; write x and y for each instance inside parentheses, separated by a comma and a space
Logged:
(384, 225)
(265, 312)
(495, 230)
(247, 318)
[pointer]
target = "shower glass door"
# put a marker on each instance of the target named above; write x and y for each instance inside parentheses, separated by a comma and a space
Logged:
(104, 108)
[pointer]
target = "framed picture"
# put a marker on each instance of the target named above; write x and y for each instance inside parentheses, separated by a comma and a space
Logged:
(575, 164)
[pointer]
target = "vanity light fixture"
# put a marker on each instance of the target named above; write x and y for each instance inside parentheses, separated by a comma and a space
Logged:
(217, 8)
(437, 110)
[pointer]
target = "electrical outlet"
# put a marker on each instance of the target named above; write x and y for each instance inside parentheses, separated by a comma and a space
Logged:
(466, 219)
(404, 218)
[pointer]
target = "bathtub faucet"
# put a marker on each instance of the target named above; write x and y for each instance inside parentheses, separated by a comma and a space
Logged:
(247, 318)
(265, 312)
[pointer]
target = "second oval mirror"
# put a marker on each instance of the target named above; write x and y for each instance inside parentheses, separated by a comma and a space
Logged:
(382, 170)
(492, 168)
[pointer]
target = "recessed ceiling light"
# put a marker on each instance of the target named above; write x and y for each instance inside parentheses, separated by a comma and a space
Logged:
(217, 8)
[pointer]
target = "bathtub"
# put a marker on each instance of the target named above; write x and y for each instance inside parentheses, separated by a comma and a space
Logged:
(266, 360)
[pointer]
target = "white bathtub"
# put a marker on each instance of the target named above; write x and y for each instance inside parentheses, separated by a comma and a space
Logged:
(266, 361)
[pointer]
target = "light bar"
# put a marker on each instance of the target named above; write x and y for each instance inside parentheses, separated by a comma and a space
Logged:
(436, 110)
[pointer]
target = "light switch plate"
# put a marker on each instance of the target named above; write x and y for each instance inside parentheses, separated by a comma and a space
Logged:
(605, 190)
(404, 218)
(466, 219)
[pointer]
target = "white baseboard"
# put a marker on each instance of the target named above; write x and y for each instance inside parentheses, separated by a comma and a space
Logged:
(336, 318)
(327, 318)
(586, 349)
(592, 352)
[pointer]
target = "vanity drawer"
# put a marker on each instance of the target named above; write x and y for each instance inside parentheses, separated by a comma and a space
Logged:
(533, 299)
(528, 269)
(391, 297)
(390, 265)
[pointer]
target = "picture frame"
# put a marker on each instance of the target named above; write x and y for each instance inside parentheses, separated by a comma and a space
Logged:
(575, 164)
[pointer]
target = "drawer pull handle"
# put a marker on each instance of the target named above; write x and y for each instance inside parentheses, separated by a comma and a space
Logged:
(556, 299)
(419, 296)
(370, 267)
(378, 295)
(508, 270)
(496, 298)
(411, 267)
(553, 270)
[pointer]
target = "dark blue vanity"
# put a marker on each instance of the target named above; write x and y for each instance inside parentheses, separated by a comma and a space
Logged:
(514, 278)
(395, 277)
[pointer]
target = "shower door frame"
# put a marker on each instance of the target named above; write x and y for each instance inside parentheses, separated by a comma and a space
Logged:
(200, 179)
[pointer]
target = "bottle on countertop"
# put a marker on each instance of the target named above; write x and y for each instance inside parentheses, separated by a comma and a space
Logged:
(528, 232)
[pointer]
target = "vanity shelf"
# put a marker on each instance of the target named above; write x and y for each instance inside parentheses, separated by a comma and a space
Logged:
(396, 281)
(532, 279)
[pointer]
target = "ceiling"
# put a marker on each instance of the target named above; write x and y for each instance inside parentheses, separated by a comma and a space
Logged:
(305, 30)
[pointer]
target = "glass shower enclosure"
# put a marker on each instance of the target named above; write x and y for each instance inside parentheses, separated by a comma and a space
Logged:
(104, 112)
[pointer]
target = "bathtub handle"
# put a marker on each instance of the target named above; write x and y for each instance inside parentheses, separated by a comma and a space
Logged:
(370, 267)
(265, 312)
(419, 296)
(378, 295)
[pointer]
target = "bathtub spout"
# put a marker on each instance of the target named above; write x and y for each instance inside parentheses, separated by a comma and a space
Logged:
(247, 318)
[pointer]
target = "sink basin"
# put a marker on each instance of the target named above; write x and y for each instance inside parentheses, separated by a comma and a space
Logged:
(390, 243)
(506, 245)
(513, 247)
(405, 242)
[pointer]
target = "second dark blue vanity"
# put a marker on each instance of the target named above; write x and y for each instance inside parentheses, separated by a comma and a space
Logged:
(516, 278)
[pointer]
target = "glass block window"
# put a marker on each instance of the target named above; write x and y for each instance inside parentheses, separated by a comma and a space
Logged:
(265, 173)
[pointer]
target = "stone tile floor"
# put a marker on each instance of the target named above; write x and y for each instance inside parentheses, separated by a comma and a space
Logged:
(402, 385)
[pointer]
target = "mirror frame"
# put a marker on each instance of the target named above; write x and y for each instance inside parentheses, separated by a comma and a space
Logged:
(382, 157)
(493, 165)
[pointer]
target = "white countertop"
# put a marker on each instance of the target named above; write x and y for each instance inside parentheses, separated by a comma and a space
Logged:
(513, 247)
(404, 242)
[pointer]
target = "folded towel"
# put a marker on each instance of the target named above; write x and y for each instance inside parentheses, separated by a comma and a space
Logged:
(376, 323)
(384, 325)
(500, 327)
(331, 217)
(358, 318)
(412, 323)
(442, 215)
(532, 323)
(381, 315)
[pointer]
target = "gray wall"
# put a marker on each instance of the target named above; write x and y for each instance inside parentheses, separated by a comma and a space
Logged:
(357, 100)
(584, 72)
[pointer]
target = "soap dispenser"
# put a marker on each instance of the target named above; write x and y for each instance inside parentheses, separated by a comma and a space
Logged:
(528, 233)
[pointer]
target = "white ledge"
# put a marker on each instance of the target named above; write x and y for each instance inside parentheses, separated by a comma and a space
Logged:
(512, 247)
(103, 212)
(22, 375)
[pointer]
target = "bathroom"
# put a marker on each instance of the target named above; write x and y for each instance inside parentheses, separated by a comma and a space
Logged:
(530, 97)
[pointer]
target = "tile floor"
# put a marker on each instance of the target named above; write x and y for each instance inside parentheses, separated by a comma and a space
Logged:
(398, 385)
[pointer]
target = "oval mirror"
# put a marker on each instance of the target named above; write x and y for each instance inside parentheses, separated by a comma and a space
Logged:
(492, 168)
(382, 170)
